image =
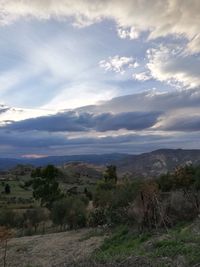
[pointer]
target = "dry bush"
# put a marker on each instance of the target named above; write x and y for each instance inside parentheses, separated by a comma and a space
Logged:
(5, 235)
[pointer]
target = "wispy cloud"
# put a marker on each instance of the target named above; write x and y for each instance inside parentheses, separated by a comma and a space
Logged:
(118, 64)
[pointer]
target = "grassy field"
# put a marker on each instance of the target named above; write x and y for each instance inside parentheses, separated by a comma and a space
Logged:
(179, 247)
(19, 197)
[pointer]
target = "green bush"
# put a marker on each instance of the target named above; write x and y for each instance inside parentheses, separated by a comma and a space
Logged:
(112, 201)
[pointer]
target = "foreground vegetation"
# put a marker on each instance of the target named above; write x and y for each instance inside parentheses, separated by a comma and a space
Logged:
(178, 247)
(149, 218)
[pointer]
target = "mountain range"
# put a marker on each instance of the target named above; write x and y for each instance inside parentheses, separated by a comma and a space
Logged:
(147, 164)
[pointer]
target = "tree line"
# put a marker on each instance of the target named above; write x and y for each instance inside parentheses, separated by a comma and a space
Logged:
(147, 204)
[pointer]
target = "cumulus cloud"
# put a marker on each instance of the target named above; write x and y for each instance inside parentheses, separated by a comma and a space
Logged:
(118, 64)
(131, 33)
(157, 17)
(160, 17)
(171, 65)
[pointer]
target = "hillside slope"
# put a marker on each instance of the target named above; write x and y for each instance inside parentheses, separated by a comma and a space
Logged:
(157, 162)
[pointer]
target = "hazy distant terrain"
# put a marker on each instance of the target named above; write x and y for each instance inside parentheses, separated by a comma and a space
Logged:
(152, 163)
(6, 163)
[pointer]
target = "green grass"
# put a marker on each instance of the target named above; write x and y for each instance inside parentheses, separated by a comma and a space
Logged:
(19, 197)
(120, 245)
(16, 190)
(180, 241)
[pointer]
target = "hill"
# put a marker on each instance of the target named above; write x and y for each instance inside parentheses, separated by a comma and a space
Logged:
(157, 162)
(147, 164)
(103, 159)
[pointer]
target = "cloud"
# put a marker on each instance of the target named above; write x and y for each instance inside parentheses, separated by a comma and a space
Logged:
(189, 123)
(129, 121)
(160, 17)
(77, 122)
(130, 124)
(10, 114)
(131, 33)
(141, 111)
(118, 64)
(148, 101)
(142, 76)
(19, 144)
(66, 76)
(177, 110)
(193, 47)
(184, 120)
(172, 66)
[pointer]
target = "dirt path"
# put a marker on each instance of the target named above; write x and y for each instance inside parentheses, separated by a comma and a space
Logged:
(50, 250)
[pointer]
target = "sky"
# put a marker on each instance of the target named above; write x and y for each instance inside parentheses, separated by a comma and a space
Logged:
(98, 76)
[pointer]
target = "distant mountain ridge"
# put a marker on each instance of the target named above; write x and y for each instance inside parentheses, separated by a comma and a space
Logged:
(104, 159)
(147, 164)
(157, 162)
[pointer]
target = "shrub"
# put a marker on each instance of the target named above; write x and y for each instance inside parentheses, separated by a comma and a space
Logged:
(97, 217)
(181, 208)
(34, 217)
(70, 211)
(111, 202)
(7, 218)
(165, 182)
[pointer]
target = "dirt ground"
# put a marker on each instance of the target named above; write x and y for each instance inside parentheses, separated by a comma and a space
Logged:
(50, 250)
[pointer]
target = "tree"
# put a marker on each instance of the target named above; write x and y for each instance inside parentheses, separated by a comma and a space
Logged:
(59, 212)
(104, 188)
(7, 189)
(45, 187)
(165, 182)
(110, 174)
(87, 193)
